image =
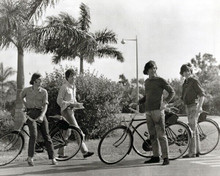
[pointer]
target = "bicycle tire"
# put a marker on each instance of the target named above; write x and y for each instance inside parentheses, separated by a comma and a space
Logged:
(209, 135)
(11, 145)
(142, 145)
(178, 136)
(70, 143)
(115, 145)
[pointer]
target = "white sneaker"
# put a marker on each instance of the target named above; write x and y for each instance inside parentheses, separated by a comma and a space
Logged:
(54, 162)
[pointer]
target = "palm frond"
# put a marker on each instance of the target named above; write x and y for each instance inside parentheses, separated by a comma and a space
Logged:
(108, 51)
(5, 72)
(84, 19)
(37, 7)
(60, 32)
(105, 36)
(12, 21)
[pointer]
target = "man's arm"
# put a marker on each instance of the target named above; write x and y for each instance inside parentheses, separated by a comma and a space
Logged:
(44, 109)
(170, 90)
(60, 98)
(23, 95)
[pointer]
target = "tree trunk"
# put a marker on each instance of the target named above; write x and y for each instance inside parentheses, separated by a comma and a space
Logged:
(81, 65)
(19, 114)
(2, 95)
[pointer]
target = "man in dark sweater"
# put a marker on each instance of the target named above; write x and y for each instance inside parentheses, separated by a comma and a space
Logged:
(155, 105)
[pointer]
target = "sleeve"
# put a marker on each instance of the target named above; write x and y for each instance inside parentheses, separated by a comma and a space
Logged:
(74, 94)
(169, 89)
(198, 88)
(142, 100)
(23, 93)
(60, 98)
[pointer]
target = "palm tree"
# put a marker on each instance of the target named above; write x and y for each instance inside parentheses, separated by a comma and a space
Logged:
(5, 73)
(17, 19)
(60, 35)
(94, 44)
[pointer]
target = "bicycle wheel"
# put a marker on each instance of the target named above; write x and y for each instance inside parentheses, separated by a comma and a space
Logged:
(11, 145)
(115, 145)
(66, 143)
(142, 145)
(209, 136)
(178, 136)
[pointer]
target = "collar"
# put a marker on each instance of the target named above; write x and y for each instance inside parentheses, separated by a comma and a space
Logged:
(68, 84)
(154, 77)
(39, 89)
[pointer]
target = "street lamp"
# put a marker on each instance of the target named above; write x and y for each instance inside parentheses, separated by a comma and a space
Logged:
(135, 40)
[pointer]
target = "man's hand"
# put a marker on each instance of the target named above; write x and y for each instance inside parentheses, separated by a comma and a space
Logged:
(199, 111)
(40, 119)
(163, 105)
(76, 105)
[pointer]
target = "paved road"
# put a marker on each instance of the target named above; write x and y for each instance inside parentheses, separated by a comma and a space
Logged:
(132, 166)
(202, 166)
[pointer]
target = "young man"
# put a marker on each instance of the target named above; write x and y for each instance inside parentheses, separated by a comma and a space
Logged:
(193, 97)
(35, 99)
(67, 101)
(155, 105)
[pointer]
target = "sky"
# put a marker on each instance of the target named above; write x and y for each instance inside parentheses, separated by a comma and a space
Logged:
(170, 32)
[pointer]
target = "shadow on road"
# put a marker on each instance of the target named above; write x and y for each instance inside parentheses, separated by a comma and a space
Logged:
(74, 168)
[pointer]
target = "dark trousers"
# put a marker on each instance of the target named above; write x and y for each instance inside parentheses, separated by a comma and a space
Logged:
(43, 127)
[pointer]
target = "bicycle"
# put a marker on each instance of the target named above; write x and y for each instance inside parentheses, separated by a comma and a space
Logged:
(12, 143)
(118, 142)
(209, 132)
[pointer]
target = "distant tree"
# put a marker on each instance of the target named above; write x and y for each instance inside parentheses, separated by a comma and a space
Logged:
(6, 86)
(123, 80)
(206, 66)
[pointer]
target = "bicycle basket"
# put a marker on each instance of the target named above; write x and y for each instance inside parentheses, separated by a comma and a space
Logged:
(202, 116)
(170, 118)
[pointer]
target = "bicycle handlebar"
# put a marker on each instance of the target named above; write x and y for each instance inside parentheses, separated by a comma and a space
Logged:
(133, 110)
(169, 108)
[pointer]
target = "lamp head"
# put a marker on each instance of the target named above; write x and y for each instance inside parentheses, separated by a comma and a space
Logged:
(123, 41)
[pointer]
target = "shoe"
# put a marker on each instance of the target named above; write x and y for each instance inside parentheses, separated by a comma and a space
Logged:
(166, 161)
(154, 159)
(39, 150)
(197, 154)
(188, 156)
(88, 154)
(62, 156)
(54, 162)
(30, 161)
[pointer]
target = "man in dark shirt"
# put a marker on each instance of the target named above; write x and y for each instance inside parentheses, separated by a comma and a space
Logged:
(193, 98)
(155, 105)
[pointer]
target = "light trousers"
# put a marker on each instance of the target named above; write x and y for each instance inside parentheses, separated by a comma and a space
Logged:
(68, 114)
(194, 146)
(156, 127)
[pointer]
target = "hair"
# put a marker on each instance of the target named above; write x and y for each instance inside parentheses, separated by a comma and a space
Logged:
(148, 66)
(186, 67)
(69, 72)
(34, 77)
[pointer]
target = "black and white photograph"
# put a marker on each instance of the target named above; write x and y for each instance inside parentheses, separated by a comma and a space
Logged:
(109, 87)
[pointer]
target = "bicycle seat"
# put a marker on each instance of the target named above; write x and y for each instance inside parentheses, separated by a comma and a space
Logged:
(170, 118)
(203, 116)
(62, 122)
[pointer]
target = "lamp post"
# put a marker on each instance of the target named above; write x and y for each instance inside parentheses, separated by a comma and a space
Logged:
(135, 40)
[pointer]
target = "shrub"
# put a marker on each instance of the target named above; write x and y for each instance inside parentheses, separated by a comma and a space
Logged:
(100, 96)
(6, 122)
